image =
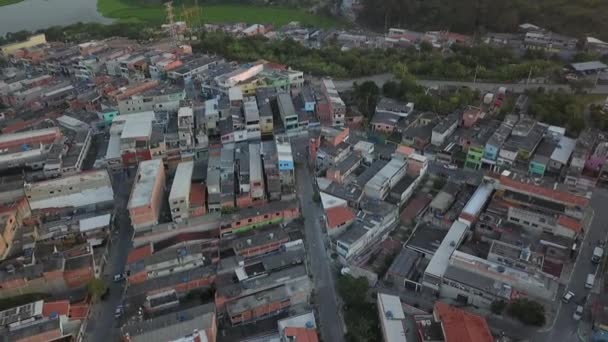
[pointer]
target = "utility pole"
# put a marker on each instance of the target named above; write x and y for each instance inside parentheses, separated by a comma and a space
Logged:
(529, 76)
(475, 78)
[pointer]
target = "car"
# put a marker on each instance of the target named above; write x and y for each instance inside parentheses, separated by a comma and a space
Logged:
(578, 313)
(118, 312)
(118, 277)
(450, 166)
(567, 297)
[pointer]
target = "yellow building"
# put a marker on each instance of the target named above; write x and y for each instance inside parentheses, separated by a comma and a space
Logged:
(9, 49)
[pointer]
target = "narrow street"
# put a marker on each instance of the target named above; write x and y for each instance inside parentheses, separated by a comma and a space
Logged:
(326, 297)
(102, 326)
(564, 324)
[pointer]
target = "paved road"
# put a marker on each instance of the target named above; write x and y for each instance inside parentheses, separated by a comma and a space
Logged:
(326, 299)
(513, 87)
(564, 324)
(102, 326)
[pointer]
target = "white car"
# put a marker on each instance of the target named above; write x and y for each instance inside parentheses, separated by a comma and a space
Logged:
(118, 277)
(567, 297)
(578, 313)
(450, 166)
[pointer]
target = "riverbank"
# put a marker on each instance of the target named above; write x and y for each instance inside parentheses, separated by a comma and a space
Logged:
(277, 16)
(8, 2)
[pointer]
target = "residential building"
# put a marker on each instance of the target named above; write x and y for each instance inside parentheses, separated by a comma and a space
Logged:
(252, 218)
(11, 48)
(471, 116)
(444, 129)
(389, 106)
(392, 318)
(287, 112)
(88, 190)
(252, 118)
(179, 197)
(256, 173)
(494, 144)
(379, 186)
(198, 323)
(147, 194)
(161, 97)
(460, 325)
(286, 169)
(476, 144)
(336, 107)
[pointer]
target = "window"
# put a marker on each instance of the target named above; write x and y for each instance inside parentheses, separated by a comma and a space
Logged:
(514, 219)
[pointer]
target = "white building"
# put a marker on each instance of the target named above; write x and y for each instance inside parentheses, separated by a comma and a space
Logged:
(86, 189)
(379, 186)
(179, 197)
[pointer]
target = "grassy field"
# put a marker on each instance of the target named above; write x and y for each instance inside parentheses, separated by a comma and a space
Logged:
(133, 12)
(8, 2)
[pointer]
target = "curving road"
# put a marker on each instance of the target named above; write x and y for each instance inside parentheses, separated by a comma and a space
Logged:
(342, 85)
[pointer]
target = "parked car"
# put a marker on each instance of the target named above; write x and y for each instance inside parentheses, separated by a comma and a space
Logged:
(118, 277)
(567, 297)
(578, 313)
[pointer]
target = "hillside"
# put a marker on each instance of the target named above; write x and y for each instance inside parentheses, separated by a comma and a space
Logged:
(571, 17)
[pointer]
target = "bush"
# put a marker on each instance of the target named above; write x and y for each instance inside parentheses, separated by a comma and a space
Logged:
(498, 306)
(527, 311)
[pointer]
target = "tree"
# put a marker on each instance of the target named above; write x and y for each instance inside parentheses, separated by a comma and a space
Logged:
(96, 287)
(366, 95)
(498, 306)
(527, 311)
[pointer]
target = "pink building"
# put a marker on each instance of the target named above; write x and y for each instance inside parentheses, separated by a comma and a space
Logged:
(147, 194)
(470, 116)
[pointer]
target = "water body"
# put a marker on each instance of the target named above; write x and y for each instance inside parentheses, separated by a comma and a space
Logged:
(33, 15)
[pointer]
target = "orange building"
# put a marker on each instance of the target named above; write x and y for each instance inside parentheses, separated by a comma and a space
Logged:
(459, 325)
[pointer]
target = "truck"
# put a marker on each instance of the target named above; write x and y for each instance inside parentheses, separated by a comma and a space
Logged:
(598, 253)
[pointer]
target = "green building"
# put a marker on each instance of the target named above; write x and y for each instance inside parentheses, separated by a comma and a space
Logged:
(474, 156)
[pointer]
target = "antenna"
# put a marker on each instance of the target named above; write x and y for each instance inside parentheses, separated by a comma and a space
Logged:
(171, 22)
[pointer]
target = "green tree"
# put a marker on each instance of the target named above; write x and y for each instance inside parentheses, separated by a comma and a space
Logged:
(527, 311)
(498, 306)
(96, 287)
(366, 95)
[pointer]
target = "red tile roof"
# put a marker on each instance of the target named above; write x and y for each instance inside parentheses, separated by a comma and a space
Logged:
(139, 253)
(570, 223)
(338, 215)
(197, 195)
(416, 205)
(301, 334)
(459, 325)
(405, 150)
(78, 311)
(550, 194)
(61, 307)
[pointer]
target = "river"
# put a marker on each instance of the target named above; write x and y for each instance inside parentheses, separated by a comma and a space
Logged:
(32, 15)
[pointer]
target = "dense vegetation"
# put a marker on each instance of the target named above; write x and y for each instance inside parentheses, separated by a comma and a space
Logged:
(488, 63)
(8, 2)
(558, 108)
(360, 314)
(527, 311)
(573, 17)
(152, 11)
